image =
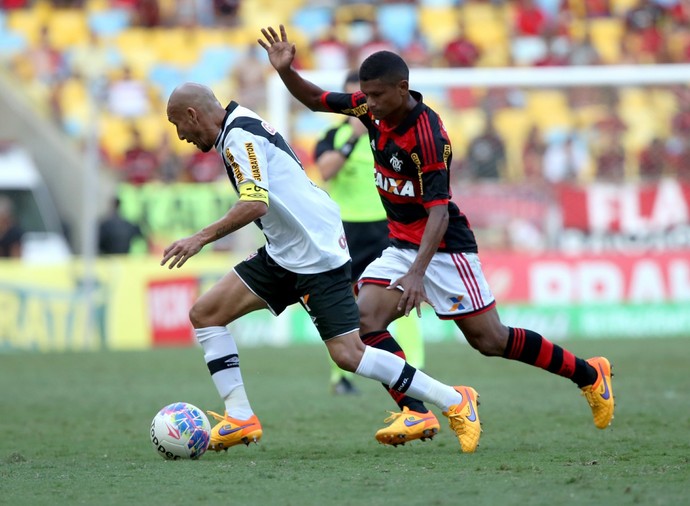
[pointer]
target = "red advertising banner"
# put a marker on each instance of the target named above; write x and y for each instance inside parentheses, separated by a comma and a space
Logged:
(554, 279)
(169, 302)
(634, 209)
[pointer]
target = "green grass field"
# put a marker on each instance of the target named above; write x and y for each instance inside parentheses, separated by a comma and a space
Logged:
(75, 431)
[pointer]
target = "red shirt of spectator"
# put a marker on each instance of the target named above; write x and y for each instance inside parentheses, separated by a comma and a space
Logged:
(461, 52)
(530, 20)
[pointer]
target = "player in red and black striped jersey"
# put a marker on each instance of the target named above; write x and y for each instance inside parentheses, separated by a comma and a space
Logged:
(433, 257)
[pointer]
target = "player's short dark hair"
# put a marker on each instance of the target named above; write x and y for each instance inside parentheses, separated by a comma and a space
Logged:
(386, 66)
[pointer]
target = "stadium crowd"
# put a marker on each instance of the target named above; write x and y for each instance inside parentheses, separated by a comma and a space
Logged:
(129, 54)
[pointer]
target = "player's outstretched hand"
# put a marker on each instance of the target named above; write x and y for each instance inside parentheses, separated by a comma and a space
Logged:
(181, 250)
(280, 51)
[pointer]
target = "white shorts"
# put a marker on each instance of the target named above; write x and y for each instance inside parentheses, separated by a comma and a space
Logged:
(454, 282)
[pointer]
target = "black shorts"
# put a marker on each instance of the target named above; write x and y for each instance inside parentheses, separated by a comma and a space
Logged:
(326, 296)
(365, 240)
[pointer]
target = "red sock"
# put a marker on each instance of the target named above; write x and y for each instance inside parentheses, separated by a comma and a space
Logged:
(531, 348)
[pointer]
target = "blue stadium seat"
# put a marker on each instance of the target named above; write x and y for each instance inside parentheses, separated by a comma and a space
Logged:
(398, 22)
(312, 21)
(109, 22)
(11, 43)
(166, 78)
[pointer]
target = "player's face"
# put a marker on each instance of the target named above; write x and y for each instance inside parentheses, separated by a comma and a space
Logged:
(384, 99)
(190, 128)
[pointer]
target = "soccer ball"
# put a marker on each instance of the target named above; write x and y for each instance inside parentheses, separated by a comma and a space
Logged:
(180, 431)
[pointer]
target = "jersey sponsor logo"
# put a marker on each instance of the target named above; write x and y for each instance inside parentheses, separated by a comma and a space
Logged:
(446, 153)
(253, 162)
(358, 111)
(456, 303)
(396, 163)
(416, 160)
(402, 187)
(235, 167)
(268, 128)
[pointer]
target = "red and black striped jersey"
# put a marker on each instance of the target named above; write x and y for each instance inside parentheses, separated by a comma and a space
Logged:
(411, 163)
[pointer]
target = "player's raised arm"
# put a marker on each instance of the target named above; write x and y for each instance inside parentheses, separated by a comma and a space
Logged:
(281, 54)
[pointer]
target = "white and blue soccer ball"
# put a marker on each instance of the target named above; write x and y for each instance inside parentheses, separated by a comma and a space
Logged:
(180, 431)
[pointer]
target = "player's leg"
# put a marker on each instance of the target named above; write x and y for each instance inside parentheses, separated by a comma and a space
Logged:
(459, 404)
(332, 308)
(366, 240)
(408, 332)
(254, 284)
(490, 337)
(209, 316)
(482, 327)
(378, 308)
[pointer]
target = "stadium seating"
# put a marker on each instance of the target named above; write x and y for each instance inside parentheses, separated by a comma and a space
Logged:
(168, 55)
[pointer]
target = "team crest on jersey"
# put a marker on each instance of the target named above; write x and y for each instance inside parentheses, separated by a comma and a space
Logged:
(396, 163)
(268, 128)
(402, 187)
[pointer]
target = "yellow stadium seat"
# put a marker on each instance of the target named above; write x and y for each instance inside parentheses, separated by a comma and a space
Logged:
(439, 25)
(115, 134)
(620, 7)
(549, 109)
(68, 27)
(136, 47)
(176, 45)
(665, 104)
(97, 5)
(606, 36)
(463, 126)
(261, 13)
(478, 13)
(491, 37)
(634, 96)
(27, 23)
(513, 126)
(152, 128)
(643, 125)
(346, 13)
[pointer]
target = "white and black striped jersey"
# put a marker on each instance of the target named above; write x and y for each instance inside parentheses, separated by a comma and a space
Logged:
(303, 228)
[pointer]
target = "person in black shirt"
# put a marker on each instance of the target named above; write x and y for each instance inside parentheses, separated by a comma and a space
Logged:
(10, 232)
(115, 233)
(433, 253)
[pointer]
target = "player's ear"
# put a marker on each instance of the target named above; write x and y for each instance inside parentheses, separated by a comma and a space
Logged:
(191, 114)
(404, 87)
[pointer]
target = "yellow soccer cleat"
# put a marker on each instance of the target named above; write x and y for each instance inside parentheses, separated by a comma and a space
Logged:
(230, 431)
(463, 418)
(408, 426)
(600, 394)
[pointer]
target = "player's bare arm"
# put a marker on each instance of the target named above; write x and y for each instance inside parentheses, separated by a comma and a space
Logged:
(412, 283)
(239, 215)
(281, 54)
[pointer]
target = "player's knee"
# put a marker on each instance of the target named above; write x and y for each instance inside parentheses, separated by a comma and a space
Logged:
(488, 343)
(347, 358)
(198, 316)
(369, 320)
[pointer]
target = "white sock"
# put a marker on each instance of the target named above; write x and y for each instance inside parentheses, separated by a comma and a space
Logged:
(388, 368)
(220, 351)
